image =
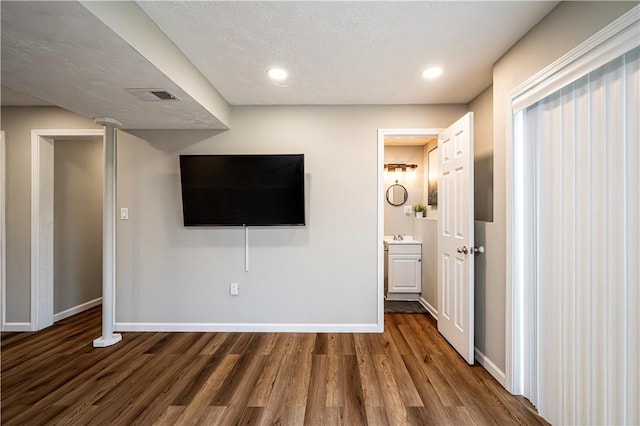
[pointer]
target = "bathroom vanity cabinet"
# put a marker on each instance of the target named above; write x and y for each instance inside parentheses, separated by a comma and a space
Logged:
(403, 274)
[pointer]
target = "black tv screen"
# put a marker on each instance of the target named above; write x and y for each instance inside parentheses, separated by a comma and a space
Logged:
(236, 190)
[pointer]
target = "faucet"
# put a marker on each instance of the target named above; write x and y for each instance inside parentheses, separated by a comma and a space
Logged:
(397, 237)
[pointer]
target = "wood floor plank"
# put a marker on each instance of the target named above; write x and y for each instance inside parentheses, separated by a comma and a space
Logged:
(348, 347)
(391, 328)
(368, 377)
(79, 400)
(354, 408)
(169, 416)
(444, 390)
(109, 369)
(268, 343)
(157, 407)
(43, 417)
(334, 416)
(217, 355)
(322, 344)
(277, 406)
(460, 416)
(315, 412)
(408, 391)
(394, 406)
(302, 373)
(176, 377)
(335, 380)
(264, 387)
(250, 416)
(246, 363)
(210, 416)
(196, 408)
(217, 339)
(406, 375)
(432, 403)
(130, 408)
(78, 415)
(517, 409)
(238, 401)
(377, 416)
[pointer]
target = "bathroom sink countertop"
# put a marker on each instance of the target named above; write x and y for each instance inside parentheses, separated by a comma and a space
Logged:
(388, 239)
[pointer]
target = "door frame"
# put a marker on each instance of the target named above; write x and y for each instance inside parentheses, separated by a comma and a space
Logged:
(382, 133)
(607, 44)
(3, 231)
(41, 205)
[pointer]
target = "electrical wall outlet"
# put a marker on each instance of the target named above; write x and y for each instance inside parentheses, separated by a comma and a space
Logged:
(233, 289)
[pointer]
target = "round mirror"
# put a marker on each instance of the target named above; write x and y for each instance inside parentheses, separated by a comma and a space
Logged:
(397, 195)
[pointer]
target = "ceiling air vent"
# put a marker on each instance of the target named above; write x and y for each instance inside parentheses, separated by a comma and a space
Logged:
(152, 95)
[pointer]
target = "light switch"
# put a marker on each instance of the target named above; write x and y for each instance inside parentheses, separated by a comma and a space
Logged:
(124, 213)
(407, 210)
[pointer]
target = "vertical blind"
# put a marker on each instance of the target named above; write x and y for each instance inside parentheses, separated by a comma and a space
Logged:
(584, 139)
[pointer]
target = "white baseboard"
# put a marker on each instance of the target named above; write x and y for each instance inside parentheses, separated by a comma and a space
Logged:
(493, 369)
(408, 297)
(246, 328)
(433, 311)
(76, 309)
(17, 326)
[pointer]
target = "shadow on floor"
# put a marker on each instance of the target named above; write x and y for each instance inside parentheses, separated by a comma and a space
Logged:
(402, 307)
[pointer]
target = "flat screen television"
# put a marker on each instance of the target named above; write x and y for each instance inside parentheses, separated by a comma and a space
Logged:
(237, 190)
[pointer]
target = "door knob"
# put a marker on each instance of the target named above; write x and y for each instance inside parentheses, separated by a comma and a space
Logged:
(463, 249)
(478, 250)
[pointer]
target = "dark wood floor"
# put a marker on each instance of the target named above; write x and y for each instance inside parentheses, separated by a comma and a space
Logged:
(408, 375)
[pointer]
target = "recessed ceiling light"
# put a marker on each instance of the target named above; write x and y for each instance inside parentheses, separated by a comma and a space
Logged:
(433, 72)
(277, 74)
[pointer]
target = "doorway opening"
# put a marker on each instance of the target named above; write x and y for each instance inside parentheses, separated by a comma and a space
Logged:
(455, 247)
(46, 223)
(417, 139)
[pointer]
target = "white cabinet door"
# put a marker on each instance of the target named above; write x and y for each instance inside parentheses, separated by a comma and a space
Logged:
(405, 273)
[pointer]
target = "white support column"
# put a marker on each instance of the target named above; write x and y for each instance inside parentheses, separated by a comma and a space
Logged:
(108, 338)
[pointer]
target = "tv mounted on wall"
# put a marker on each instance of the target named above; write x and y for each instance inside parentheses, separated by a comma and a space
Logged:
(239, 190)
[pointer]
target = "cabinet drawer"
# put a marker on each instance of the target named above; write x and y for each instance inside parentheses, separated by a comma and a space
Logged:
(405, 248)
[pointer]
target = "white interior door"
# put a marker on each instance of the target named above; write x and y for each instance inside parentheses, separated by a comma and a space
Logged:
(455, 236)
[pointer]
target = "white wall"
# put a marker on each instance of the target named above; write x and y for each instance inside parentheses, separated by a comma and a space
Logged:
(323, 273)
(78, 179)
(395, 221)
(17, 122)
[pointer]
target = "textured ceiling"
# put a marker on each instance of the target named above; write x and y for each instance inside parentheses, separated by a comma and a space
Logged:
(346, 52)
(12, 98)
(339, 52)
(62, 54)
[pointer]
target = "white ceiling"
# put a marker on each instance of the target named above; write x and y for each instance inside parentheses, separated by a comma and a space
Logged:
(338, 52)
(346, 52)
